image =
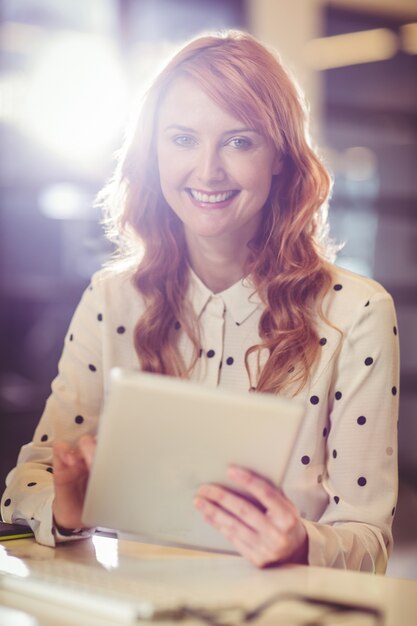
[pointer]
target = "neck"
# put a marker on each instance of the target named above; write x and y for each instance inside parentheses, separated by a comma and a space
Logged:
(219, 264)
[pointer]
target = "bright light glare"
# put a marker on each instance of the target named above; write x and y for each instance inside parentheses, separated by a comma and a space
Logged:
(365, 46)
(409, 38)
(107, 551)
(77, 96)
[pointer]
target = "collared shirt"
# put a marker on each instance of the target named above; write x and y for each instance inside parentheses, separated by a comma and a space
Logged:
(342, 475)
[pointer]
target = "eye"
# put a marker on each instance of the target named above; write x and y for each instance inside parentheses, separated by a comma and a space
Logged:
(184, 141)
(240, 143)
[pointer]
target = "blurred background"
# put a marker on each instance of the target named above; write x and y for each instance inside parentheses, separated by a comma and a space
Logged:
(70, 71)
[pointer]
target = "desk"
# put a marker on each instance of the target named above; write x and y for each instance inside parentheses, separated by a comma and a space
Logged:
(204, 578)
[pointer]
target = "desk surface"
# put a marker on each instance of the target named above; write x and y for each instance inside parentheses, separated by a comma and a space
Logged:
(204, 578)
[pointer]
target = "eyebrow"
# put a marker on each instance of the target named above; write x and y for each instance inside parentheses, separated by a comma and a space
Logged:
(232, 131)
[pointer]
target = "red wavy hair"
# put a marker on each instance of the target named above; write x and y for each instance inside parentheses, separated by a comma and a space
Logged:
(287, 261)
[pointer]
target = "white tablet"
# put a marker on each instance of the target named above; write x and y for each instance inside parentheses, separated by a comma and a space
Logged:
(160, 438)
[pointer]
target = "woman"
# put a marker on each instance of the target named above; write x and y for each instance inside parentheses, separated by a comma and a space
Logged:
(218, 206)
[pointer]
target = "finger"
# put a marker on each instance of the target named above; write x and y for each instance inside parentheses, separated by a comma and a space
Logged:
(86, 446)
(247, 542)
(240, 508)
(249, 552)
(62, 455)
(67, 462)
(224, 522)
(280, 509)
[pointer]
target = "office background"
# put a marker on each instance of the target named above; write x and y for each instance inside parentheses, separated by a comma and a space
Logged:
(69, 72)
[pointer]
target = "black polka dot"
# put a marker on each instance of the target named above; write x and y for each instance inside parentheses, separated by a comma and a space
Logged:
(210, 354)
(361, 420)
(121, 330)
(369, 360)
(71, 337)
(314, 399)
(92, 367)
(324, 432)
(323, 341)
(338, 395)
(395, 330)
(338, 287)
(200, 354)
(393, 511)
(336, 499)
(177, 325)
(100, 317)
(394, 391)
(79, 419)
(50, 470)
(305, 460)
(237, 323)
(7, 502)
(361, 481)
(334, 454)
(31, 484)
(44, 438)
(230, 360)
(367, 304)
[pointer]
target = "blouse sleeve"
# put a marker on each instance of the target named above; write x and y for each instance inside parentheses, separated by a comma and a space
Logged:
(361, 478)
(72, 410)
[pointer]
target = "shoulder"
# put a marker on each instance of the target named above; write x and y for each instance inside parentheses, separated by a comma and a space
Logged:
(357, 286)
(351, 296)
(113, 276)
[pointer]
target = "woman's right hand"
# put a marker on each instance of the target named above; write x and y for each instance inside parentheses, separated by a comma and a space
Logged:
(71, 471)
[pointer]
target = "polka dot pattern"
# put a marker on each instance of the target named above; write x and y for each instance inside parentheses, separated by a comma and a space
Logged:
(335, 426)
(7, 502)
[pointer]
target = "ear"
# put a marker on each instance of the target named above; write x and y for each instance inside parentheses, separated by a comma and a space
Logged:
(277, 164)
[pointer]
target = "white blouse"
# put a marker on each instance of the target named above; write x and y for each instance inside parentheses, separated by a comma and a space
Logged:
(343, 472)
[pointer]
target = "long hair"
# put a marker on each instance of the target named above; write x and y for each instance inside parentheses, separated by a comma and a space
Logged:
(287, 257)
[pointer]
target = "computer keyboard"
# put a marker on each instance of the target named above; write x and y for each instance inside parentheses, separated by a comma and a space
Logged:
(101, 592)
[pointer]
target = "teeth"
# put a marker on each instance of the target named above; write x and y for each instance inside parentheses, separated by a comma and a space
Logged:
(212, 197)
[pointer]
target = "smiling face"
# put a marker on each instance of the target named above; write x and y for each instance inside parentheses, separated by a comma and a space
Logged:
(215, 170)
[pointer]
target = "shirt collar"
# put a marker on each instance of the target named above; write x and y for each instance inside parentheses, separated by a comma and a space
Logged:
(241, 299)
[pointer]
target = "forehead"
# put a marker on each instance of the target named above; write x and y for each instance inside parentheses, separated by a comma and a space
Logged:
(187, 104)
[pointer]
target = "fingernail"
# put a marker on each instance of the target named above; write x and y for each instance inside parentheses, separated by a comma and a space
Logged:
(198, 503)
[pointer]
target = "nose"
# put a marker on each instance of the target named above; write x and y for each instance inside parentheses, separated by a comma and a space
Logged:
(209, 167)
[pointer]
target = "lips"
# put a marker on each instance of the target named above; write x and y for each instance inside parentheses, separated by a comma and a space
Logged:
(211, 197)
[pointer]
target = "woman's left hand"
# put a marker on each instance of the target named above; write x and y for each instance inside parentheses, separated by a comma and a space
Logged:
(265, 538)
